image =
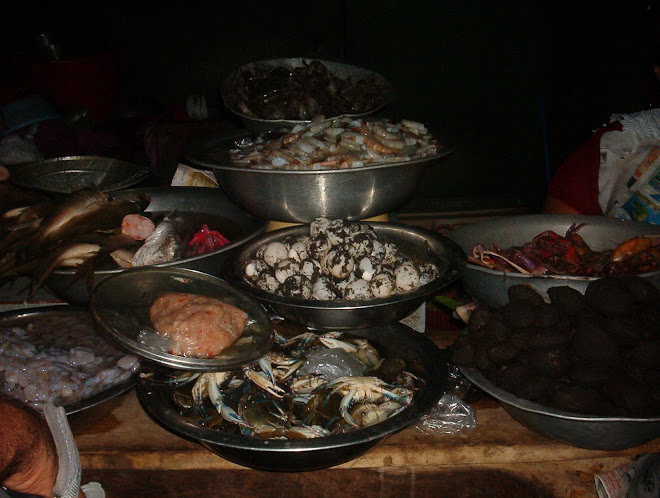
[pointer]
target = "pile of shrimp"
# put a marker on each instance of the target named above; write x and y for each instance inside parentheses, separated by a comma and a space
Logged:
(338, 143)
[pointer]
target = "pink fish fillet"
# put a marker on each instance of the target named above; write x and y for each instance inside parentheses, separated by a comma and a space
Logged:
(200, 326)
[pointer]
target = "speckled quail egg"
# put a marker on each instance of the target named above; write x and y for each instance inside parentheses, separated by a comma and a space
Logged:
(406, 277)
(340, 285)
(428, 272)
(338, 263)
(254, 268)
(297, 286)
(378, 251)
(299, 250)
(390, 253)
(274, 253)
(319, 246)
(285, 269)
(359, 245)
(337, 231)
(268, 282)
(319, 225)
(382, 285)
(366, 268)
(311, 269)
(259, 254)
(322, 289)
(360, 289)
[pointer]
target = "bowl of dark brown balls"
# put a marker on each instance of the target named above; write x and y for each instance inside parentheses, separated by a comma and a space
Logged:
(581, 369)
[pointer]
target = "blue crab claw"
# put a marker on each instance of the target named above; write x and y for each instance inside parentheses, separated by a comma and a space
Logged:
(228, 413)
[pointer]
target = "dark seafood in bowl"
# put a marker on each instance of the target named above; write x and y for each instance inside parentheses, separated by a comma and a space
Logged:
(300, 93)
(308, 386)
(338, 259)
(593, 354)
(551, 253)
(91, 230)
(338, 143)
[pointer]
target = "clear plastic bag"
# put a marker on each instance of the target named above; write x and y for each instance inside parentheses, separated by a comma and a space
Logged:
(450, 415)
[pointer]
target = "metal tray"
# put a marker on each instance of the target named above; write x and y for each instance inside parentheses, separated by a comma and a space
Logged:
(65, 174)
(26, 316)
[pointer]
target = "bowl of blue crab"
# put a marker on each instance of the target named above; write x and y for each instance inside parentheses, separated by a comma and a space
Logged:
(314, 401)
(546, 250)
(339, 274)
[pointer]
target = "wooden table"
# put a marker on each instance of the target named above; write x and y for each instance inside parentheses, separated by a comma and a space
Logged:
(131, 455)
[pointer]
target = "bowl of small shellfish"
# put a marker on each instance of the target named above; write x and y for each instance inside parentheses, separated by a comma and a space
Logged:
(338, 274)
(334, 168)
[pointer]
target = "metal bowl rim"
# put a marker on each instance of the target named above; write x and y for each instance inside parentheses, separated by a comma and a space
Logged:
(505, 397)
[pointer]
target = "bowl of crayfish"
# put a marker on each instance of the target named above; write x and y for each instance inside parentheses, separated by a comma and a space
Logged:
(548, 250)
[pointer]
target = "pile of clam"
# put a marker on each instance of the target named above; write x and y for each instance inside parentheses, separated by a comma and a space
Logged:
(338, 259)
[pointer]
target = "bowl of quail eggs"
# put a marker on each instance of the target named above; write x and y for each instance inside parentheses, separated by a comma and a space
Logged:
(340, 274)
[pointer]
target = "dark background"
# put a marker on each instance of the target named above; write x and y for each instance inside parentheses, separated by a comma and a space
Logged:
(517, 84)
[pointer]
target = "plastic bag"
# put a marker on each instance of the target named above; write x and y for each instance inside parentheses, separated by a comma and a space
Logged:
(450, 415)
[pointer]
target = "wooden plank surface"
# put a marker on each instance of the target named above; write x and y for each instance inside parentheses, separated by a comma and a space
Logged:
(128, 452)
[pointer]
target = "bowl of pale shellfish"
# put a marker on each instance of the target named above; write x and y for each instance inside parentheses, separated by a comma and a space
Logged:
(338, 274)
(334, 168)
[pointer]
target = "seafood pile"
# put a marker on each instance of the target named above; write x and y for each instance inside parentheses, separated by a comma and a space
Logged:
(595, 353)
(549, 253)
(91, 230)
(301, 93)
(197, 326)
(308, 386)
(338, 260)
(60, 359)
(338, 143)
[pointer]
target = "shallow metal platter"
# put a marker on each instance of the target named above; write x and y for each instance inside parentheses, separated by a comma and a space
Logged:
(23, 317)
(584, 431)
(300, 196)
(343, 71)
(423, 359)
(120, 305)
(66, 174)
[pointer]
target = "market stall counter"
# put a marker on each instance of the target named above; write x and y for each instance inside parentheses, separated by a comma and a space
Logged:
(131, 455)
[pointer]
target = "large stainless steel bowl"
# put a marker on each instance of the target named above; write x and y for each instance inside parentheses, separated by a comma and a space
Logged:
(300, 196)
(584, 431)
(239, 227)
(343, 71)
(423, 359)
(491, 286)
(417, 243)
(67, 174)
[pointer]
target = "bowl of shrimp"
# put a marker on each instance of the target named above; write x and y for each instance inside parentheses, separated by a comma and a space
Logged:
(351, 168)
